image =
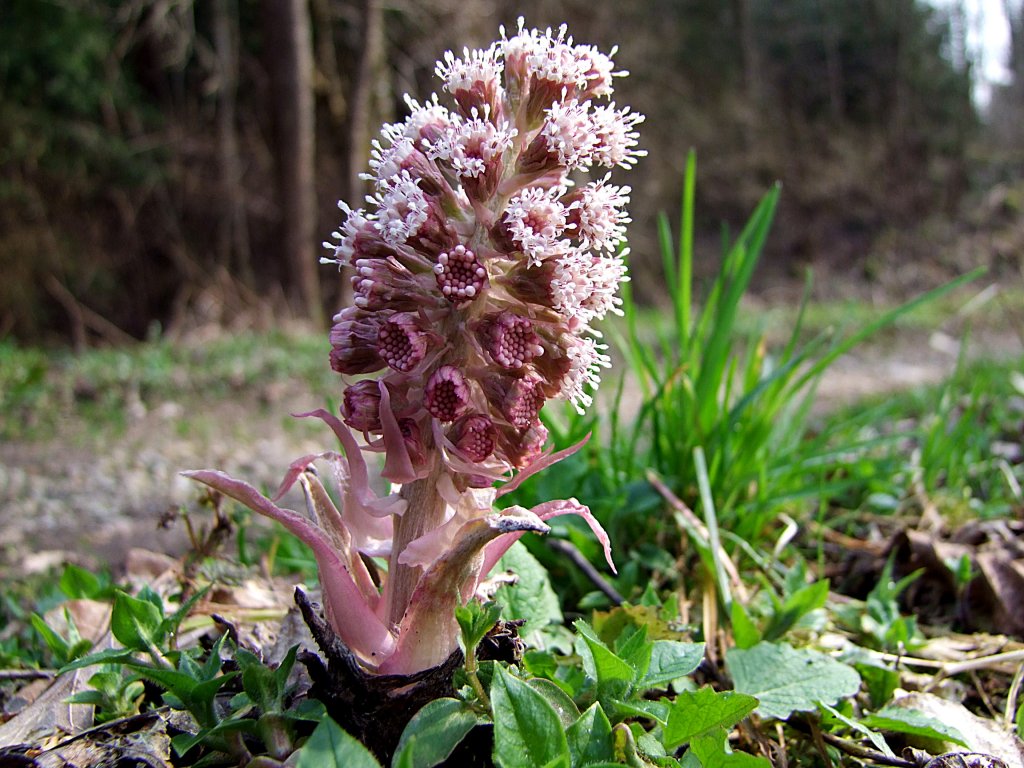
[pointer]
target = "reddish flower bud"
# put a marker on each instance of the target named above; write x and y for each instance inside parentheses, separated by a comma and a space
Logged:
(460, 275)
(354, 342)
(474, 437)
(402, 343)
(446, 395)
(510, 340)
(360, 406)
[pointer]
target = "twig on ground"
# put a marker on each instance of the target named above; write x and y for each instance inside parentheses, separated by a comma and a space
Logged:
(1012, 696)
(27, 674)
(566, 548)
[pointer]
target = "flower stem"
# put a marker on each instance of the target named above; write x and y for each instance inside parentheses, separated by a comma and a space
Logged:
(424, 513)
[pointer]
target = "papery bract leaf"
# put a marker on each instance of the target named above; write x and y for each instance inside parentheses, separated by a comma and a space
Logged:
(546, 511)
(398, 466)
(358, 493)
(327, 515)
(541, 463)
(428, 632)
(362, 631)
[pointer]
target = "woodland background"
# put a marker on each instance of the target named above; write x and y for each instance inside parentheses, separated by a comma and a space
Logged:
(171, 163)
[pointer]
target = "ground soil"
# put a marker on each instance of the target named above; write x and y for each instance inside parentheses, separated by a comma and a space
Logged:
(91, 497)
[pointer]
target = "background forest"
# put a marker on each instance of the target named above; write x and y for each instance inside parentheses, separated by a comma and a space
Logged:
(165, 163)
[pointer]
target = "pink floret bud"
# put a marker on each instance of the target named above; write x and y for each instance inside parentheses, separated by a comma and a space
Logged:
(402, 343)
(460, 275)
(474, 436)
(524, 400)
(510, 340)
(446, 395)
(360, 406)
(354, 342)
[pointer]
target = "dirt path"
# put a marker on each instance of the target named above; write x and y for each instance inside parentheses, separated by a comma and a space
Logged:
(95, 497)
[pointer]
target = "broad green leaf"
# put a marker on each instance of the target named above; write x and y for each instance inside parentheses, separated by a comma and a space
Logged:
(135, 623)
(433, 733)
(332, 747)
(527, 730)
(590, 738)
(913, 723)
(712, 749)
(559, 700)
(784, 679)
(697, 712)
(670, 660)
(614, 676)
(531, 597)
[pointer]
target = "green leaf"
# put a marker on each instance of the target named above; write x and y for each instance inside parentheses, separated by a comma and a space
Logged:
(527, 730)
(331, 747)
(880, 682)
(76, 583)
(108, 656)
(913, 723)
(712, 749)
(614, 677)
(797, 605)
(475, 620)
(590, 738)
(744, 631)
(697, 712)
(433, 733)
(135, 623)
(670, 660)
(873, 736)
(172, 622)
(559, 700)
(531, 597)
(784, 679)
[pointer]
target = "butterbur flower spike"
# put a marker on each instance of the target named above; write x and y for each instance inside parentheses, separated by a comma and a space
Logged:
(479, 263)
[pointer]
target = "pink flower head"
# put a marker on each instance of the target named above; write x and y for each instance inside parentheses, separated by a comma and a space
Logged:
(566, 139)
(600, 216)
(474, 149)
(510, 340)
(478, 269)
(401, 343)
(534, 223)
(616, 137)
(474, 436)
(474, 80)
(460, 275)
(524, 400)
(447, 393)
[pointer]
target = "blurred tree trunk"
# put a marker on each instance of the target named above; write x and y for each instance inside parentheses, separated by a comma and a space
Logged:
(289, 60)
(369, 72)
(233, 235)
